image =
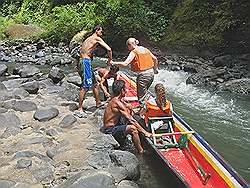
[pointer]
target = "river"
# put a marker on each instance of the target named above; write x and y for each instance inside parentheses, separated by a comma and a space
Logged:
(222, 119)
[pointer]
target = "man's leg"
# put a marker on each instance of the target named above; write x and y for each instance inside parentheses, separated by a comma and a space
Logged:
(96, 95)
(82, 94)
(143, 82)
(131, 129)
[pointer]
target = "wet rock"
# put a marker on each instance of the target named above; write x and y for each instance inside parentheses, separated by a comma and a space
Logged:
(31, 87)
(25, 70)
(46, 113)
(128, 161)
(90, 179)
(241, 86)
(67, 121)
(40, 44)
(40, 54)
(56, 74)
(3, 69)
(222, 61)
(22, 163)
(127, 184)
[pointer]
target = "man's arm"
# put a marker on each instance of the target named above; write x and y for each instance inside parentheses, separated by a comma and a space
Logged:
(103, 44)
(155, 60)
(129, 59)
(125, 112)
(104, 89)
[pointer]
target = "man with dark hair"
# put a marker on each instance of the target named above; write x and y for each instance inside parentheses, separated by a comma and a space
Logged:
(102, 75)
(115, 110)
(85, 67)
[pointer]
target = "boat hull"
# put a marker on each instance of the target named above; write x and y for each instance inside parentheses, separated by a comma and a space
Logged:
(180, 165)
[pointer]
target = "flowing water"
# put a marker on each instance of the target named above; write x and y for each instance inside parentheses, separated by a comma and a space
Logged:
(222, 119)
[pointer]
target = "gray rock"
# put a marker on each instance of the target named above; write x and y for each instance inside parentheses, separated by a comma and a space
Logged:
(25, 70)
(99, 160)
(56, 74)
(43, 174)
(10, 131)
(6, 95)
(128, 161)
(90, 179)
(22, 163)
(67, 121)
(127, 184)
(20, 92)
(9, 119)
(14, 83)
(221, 61)
(3, 110)
(6, 183)
(40, 54)
(46, 113)
(241, 86)
(76, 79)
(71, 92)
(20, 105)
(31, 87)
(51, 132)
(106, 142)
(28, 154)
(2, 87)
(3, 69)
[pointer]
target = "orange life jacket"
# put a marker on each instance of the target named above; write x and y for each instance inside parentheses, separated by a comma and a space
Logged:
(155, 111)
(142, 61)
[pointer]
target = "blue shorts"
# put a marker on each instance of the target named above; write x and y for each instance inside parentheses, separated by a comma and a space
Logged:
(86, 73)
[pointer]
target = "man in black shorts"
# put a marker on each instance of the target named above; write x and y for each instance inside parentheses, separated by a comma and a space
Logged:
(118, 108)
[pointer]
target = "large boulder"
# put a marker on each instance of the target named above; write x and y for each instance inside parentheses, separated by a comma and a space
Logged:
(128, 161)
(90, 179)
(20, 105)
(222, 61)
(56, 74)
(25, 70)
(127, 184)
(46, 113)
(31, 87)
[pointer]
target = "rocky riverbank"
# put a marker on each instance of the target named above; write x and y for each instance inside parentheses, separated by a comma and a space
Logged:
(221, 73)
(42, 143)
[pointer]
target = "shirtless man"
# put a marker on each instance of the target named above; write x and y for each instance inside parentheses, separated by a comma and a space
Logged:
(85, 67)
(115, 110)
(102, 75)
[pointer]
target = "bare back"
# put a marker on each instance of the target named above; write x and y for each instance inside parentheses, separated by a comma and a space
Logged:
(114, 111)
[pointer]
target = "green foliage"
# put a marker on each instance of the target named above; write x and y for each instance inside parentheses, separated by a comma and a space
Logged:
(67, 20)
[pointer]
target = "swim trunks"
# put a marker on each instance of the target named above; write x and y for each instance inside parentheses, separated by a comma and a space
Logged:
(86, 73)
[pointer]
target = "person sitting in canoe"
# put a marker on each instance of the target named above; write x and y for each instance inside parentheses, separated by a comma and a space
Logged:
(116, 109)
(102, 75)
(158, 106)
(143, 63)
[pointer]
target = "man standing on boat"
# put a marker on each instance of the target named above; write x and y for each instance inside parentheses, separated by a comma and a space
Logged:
(85, 67)
(115, 110)
(142, 62)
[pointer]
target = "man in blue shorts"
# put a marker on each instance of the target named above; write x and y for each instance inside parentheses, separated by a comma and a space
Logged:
(117, 109)
(85, 67)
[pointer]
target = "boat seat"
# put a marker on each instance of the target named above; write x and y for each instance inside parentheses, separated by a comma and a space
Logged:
(166, 126)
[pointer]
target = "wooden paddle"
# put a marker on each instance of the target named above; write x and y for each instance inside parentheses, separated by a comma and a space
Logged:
(173, 133)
